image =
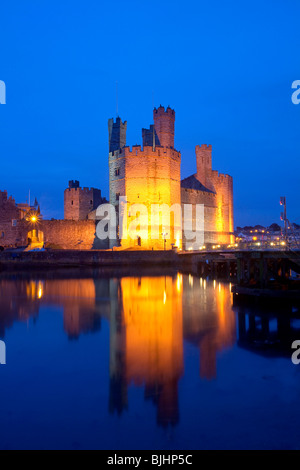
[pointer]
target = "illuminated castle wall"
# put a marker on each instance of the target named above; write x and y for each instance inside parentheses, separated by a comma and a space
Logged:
(151, 175)
(79, 202)
(146, 344)
(148, 175)
(215, 192)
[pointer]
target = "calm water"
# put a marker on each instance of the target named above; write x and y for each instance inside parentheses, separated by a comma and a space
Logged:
(160, 361)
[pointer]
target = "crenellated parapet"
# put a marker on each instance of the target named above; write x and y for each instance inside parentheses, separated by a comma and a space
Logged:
(139, 151)
(6, 201)
(161, 111)
(116, 134)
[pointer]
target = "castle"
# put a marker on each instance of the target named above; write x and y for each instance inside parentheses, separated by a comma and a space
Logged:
(81, 203)
(151, 174)
(145, 175)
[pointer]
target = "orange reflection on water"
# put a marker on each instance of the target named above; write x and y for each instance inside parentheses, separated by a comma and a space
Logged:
(153, 320)
(209, 321)
(150, 317)
(152, 310)
(78, 299)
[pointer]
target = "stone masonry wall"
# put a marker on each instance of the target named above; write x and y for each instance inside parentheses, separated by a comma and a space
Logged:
(69, 234)
(64, 234)
(146, 177)
(164, 123)
(222, 185)
(218, 210)
(192, 196)
(78, 202)
(10, 216)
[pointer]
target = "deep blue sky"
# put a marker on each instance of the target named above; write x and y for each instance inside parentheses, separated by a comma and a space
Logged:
(225, 67)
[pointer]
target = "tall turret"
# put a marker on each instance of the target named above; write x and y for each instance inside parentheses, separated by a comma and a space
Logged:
(164, 123)
(204, 164)
(116, 134)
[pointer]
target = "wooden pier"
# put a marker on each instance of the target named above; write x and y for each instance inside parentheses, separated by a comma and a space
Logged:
(258, 273)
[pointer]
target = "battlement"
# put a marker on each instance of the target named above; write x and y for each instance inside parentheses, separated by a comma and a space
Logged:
(4, 199)
(162, 111)
(116, 134)
(74, 184)
(3, 196)
(139, 151)
(216, 174)
(85, 190)
(203, 147)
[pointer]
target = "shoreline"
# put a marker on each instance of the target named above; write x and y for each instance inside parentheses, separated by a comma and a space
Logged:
(86, 258)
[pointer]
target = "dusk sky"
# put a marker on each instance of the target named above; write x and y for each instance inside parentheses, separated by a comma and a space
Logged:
(225, 67)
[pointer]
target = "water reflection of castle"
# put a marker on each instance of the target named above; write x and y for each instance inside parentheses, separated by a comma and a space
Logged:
(150, 317)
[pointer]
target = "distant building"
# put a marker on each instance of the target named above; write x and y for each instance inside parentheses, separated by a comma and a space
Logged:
(77, 231)
(13, 219)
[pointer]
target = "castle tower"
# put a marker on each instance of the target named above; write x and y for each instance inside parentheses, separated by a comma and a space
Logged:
(215, 191)
(148, 176)
(222, 186)
(149, 137)
(79, 202)
(204, 164)
(164, 124)
(116, 134)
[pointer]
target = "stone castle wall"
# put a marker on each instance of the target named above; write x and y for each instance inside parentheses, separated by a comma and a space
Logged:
(146, 176)
(218, 199)
(78, 202)
(9, 217)
(64, 234)
(209, 200)
(69, 234)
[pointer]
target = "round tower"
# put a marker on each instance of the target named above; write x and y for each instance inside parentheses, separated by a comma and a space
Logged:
(164, 124)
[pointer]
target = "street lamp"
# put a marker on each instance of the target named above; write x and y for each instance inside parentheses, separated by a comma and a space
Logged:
(164, 234)
(33, 219)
